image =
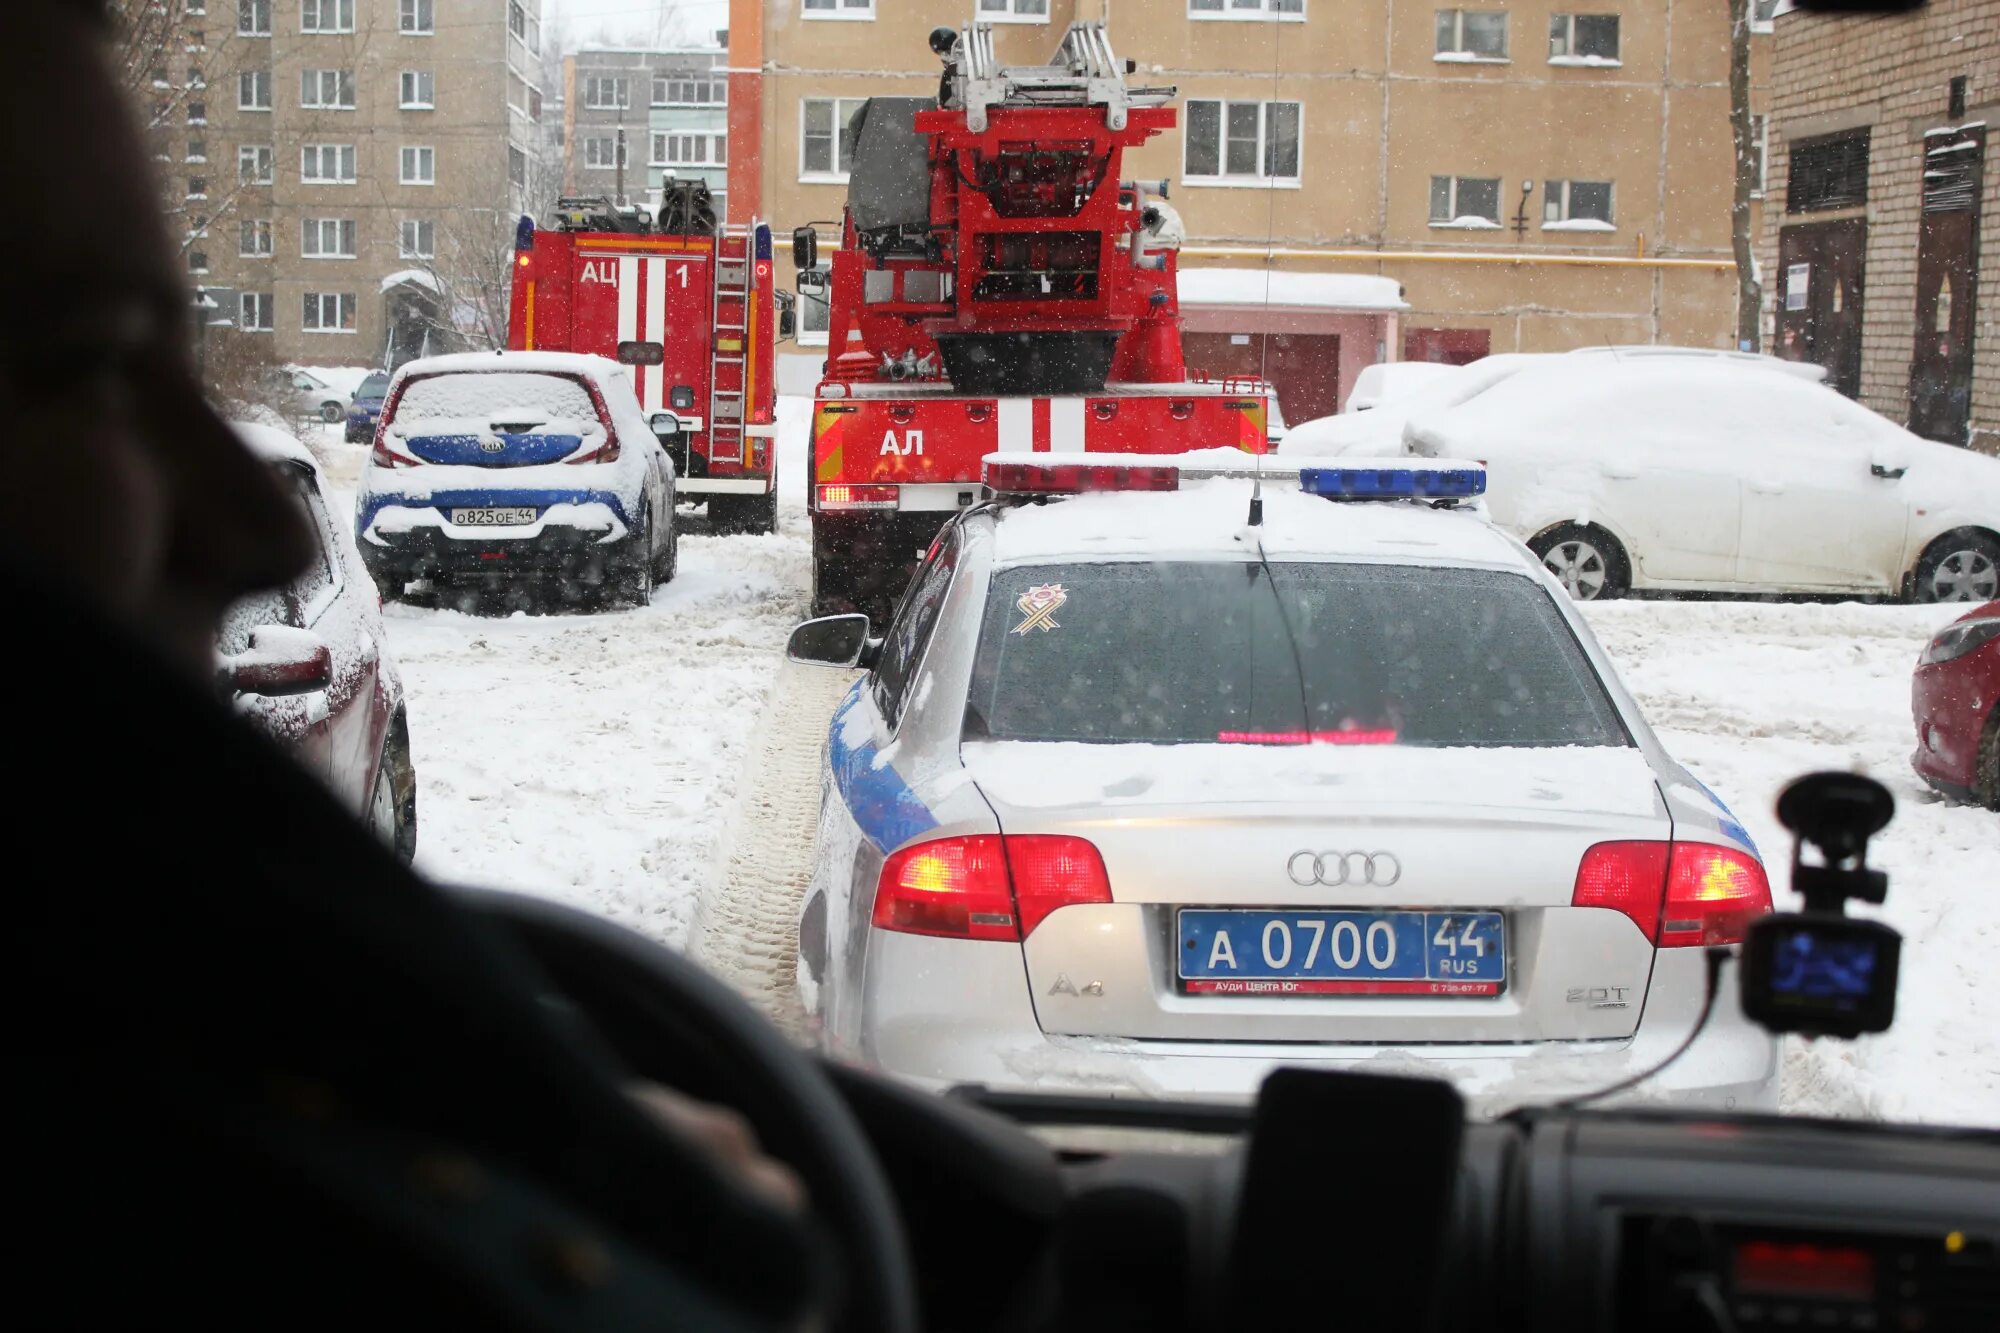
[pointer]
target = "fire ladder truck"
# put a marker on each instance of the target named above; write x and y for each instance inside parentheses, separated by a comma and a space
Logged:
(690, 307)
(999, 286)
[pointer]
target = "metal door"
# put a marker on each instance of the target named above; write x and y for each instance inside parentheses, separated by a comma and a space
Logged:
(1820, 277)
(1947, 284)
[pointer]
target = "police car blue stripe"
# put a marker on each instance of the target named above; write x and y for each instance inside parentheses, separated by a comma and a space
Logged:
(1728, 821)
(882, 804)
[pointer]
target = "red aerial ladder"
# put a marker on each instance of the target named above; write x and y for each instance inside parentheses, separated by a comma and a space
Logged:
(999, 286)
(692, 309)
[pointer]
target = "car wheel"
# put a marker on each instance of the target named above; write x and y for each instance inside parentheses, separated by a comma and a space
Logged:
(331, 412)
(1962, 566)
(634, 586)
(392, 807)
(1587, 561)
(669, 559)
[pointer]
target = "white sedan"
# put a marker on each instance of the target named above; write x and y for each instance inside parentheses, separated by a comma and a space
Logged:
(1706, 475)
(1138, 798)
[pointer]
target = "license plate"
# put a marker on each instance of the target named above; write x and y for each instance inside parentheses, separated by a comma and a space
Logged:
(492, 518)
(1226, 951)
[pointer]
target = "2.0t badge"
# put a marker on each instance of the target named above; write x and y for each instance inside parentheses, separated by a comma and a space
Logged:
(1334, 869)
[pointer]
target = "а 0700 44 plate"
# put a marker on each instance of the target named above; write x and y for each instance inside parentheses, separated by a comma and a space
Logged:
(1236, 952)
(492, 518)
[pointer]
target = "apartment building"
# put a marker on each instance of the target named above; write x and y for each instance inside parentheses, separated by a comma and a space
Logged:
(1882, 251)
(1532, 174)
(346, 173)
(668, 108)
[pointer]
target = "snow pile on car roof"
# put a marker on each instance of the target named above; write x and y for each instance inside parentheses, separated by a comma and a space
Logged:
(569, 363)
(1380, 431)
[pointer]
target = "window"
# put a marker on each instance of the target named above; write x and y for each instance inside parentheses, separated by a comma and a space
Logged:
(256, 164)
(327, 238)
(1583, 39)
(414, 16)
(1289, 10)
(1014, 11)
(839, 9)
(1576, 205)
(909, 630)
(253, 90)
(1761, 14)
(197, 113)
(326, 15)
(255, 242)
(603, 93)
(601, 152)
(197, 150)
(1471, 34)
(419, 166)
(1830, 172)
(517, 167)
(528, 30)
(690, 150)
(1465, 201)
(326, 89)
(1760, 152)
(328, 312)
(1240, 143)
(689, 92)
(417, 239)
(197, 261)
(826, 153)
(327, 163)
(253, 18)
(253, 310)
(419, 90)
(197, 187)
(815, 311)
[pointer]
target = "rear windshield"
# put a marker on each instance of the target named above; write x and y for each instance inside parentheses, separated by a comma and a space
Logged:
(1199, 653)
(502, 395)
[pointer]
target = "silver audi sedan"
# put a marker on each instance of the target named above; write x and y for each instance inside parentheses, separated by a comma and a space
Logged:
(1147, 793)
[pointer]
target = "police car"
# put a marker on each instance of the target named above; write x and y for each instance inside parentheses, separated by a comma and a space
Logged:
(1158, 780)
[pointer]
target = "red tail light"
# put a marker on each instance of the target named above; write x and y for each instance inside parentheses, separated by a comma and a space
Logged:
(986, 887)
(1683, 893)
(857, 497)
(608, 451)
(380, 454)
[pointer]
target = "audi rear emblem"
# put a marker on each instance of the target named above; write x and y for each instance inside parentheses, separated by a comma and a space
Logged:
(1333, 869)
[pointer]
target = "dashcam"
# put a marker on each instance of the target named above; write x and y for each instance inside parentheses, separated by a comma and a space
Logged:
(1821, 974)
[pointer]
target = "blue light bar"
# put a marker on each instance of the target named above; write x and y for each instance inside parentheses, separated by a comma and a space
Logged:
(1393, 483)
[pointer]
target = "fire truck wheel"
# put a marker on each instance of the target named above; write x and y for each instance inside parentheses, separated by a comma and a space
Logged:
(729, 514)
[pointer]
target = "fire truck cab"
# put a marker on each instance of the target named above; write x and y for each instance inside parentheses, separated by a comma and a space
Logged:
(691, 307)
(999, 286)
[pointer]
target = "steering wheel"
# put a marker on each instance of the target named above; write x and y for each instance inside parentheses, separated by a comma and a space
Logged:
(673, 1023)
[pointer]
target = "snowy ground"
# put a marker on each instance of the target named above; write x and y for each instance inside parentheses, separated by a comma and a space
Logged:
(639, 764)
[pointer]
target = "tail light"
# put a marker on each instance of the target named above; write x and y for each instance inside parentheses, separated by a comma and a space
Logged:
(986, 887)
(857, 497)
(380, 454)
(1678, 894)
(609, 450)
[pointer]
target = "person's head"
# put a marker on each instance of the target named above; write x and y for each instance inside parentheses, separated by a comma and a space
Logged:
(119, 481)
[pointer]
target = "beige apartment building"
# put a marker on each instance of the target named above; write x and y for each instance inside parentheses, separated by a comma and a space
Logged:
(346, 173)
(1883, 239)
(1532, 174)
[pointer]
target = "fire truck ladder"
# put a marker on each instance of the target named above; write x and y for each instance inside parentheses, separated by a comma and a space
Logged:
(1085, 71)
(729, 379)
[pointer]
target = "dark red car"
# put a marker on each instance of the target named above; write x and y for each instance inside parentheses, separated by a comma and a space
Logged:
(1956, 698)
(308, 665)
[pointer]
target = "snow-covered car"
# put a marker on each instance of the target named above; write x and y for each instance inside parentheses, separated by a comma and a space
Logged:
(1378, 433)
(310, 666)
(1705, 475)
(517, 467)
(1136, 797)
(1955, 698)
(366, 408)
(311, 396)
(1388, 380)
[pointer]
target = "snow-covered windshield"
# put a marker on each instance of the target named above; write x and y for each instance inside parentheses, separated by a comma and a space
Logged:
(499, 394)
(1179, 652)
(374, 386)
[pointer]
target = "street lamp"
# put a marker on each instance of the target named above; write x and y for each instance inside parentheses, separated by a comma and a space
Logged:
(1521, 214)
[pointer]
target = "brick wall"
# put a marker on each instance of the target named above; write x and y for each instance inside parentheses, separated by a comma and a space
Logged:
(1892, 73)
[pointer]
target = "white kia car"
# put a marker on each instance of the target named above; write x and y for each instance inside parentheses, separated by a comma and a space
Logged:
(1707, 475)
(1139, 797)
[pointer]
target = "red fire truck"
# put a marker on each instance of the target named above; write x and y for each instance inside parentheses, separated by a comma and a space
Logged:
(999, 286)
(691, 307)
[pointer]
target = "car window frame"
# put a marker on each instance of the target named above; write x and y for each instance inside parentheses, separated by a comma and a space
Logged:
(946, 551)
(314, 499)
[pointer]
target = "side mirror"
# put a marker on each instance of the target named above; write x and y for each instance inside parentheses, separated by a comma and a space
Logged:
(1889, 463)
(839, 641)
(788, 315)
(805, 248)
(664, 424)
(812, 282)
(281, 660)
